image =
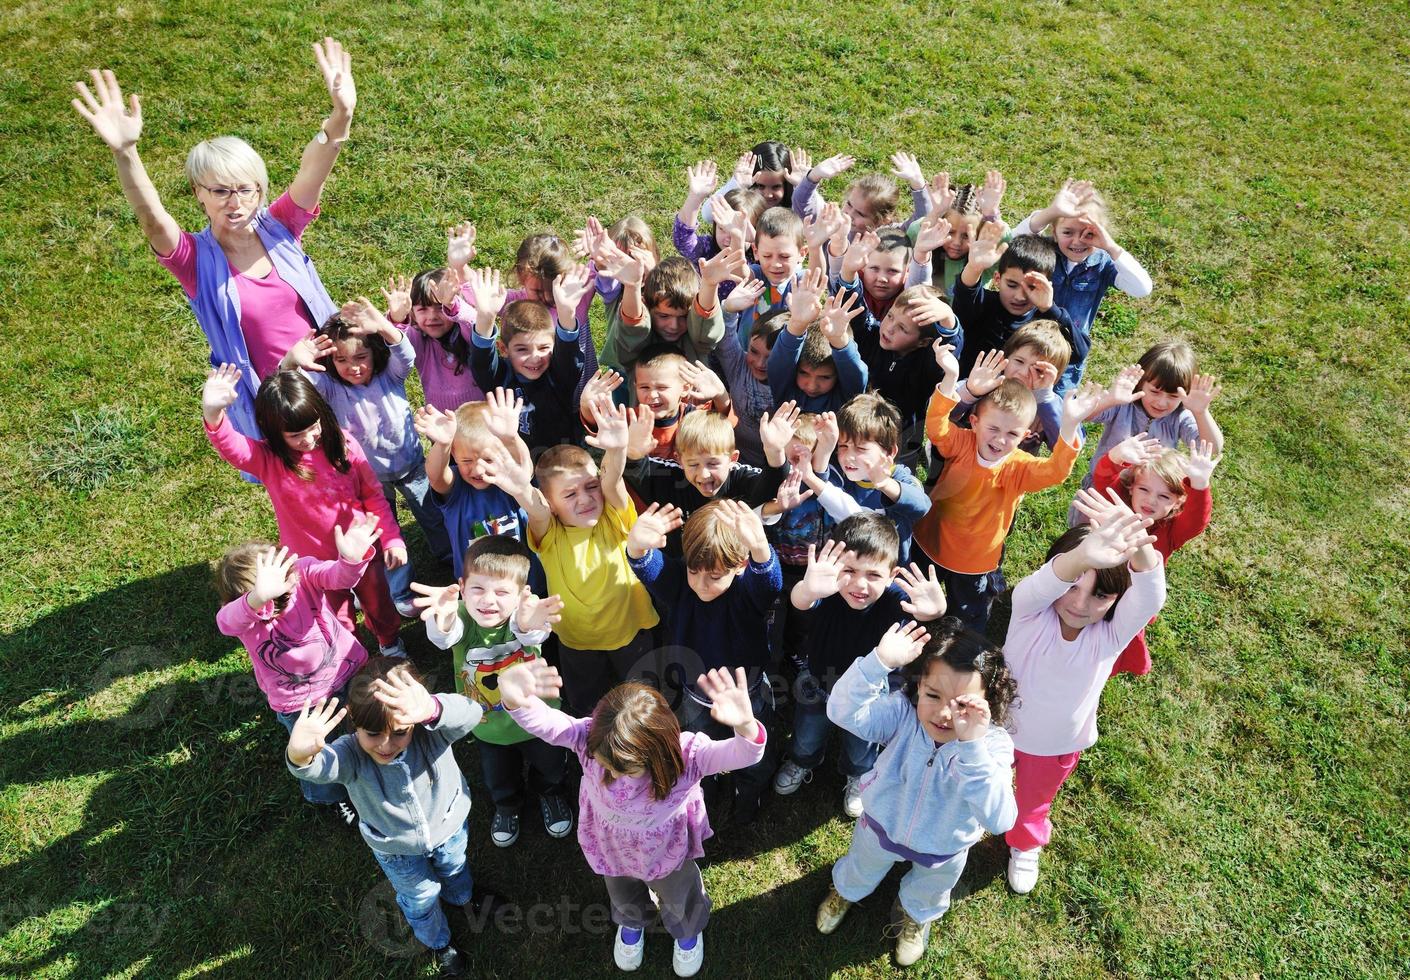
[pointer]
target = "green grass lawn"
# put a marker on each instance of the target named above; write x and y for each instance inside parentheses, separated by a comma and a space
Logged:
(1244, 812)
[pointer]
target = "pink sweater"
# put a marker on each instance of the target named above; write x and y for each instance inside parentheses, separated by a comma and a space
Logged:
(1060, 681)
(307, 511)
(304, 653)
(623, 830)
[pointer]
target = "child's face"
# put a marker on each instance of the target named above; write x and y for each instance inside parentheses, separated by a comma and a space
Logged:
(305, 441)
(660, 389)
(778, 256)
(613, 773)
(707, 472)
(1075, 239)
(1152, 497)
(940, 685)
(575, 497)
(530, 353)
(757, 359)
(770, 186)
(884, 275)
(860, 459)
(533, 284)
(862, 580)
(384, 747)
(963, 228)
(711, 583)
(997, 431)
(1022, 367)
(816, 379)
(798, 452)
(669, 322)
(470, 458)
(899, 332)
(860, 211)
(431, 321)
(490, 601)
(1013, 294)
(353, 361)
(1158, 402)
(1081, 605)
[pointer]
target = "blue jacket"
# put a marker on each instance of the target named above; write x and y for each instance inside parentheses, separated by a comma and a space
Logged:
(988, 326)
(933, 799)
(550, 413)
(783, 375)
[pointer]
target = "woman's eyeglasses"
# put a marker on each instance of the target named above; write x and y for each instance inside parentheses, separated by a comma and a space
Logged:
(223, 193)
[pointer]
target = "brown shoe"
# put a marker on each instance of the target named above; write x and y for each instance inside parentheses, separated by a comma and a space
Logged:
(831, 911)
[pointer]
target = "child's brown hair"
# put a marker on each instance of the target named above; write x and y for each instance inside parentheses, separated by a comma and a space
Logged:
(1046, 339)
(634, 730)
(816, 351)
(781, 223)
(364, 710)
(235, 570)
(1110, 581)
(545, 256)
(921, 290)
(881, 195)
(673, 282)
(497, 556)
(1011, 396)
(869, 417)
(1168, 468)
(805, 430)
(1169, 364)
(708, 544)
(524, 316)
(633, 232)
(965, 652)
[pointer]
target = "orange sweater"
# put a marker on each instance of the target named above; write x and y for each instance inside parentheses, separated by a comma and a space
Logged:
(972, 506)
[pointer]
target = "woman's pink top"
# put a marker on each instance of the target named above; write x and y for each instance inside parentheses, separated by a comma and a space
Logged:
(304, 653)
(307, 511)
(272, 316)
(624, 831)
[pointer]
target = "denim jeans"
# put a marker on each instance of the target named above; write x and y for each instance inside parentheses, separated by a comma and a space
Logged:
(415, 488)
(317, 792)
(810, 732)
(419, 879)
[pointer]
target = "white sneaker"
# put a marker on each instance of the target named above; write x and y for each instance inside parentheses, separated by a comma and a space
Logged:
(852, 797)
(1023, 869)
(911, 939)
(393, 650)
(831, 912)
(687, 962)
(406, 608)
(627, 957)
(789, 777)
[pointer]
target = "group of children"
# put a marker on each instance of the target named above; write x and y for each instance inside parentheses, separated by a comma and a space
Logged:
(776, 498)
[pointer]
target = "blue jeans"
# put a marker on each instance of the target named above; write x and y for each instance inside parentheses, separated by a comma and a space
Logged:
(419, 879)
(317, 792)
(415, 489)
(810, 731)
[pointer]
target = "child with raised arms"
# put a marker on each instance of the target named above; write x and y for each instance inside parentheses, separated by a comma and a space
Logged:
(641, 813)
(815, 361)
(1035, 355)
(942, 779)
(438, 324)
(871, 201)
(942, 238)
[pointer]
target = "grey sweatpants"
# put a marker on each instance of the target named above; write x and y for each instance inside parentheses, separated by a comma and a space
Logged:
(685, 908)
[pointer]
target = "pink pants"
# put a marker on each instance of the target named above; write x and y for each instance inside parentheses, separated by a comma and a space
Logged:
(378, 611)
(1037, 779)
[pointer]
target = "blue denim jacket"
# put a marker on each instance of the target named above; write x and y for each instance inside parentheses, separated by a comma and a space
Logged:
(1079, 289)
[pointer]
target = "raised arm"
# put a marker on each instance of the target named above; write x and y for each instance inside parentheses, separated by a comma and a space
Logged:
(119, 128)
(322, 151)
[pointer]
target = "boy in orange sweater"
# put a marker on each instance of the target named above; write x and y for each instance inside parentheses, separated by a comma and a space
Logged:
(984, 478)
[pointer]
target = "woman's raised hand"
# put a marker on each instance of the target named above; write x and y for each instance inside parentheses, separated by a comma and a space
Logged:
(117, 126)
(336, 66)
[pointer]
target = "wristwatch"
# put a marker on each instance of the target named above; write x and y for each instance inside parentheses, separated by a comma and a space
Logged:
(323, 137)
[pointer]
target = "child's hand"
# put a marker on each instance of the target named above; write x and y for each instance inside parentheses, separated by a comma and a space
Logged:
(942, 197)
(512, 470)
(776, 429)
(446, 290)
(487, 286)
(839, 228)
(745, 296)
(438, 603)
(1126, 388)
(587, 238)
(1040, 290)
(1042, 374)
(1203, 390)
(988, 246)
(991, 194)
(394, 557)
(354, 543)
(702, 179)
(601, 385)
(306, 354)
(945, 359)
(410, 702)
(927, 596)
(934, 233)
(969, 717)
(611, 260)
(702, 386)
(729, 700)
(1101, 237)
(535, 613)
(362, 318)
(828, 433)
(1079, 404)
(744, 170)
(791, 492)
(725, 266)
(460, 246)
(925, 310)
(815, 232)
(435, 424)
(1135, 450)
(308, 736)
(397, 293)
(824, 568)
(904, 167)
(987, 373)
(1201, 465)
(804, 296)
(219, 392)
(525, 681)
(611, 423)
(1117, 532)
(858, 252)
(799, 165)
(837, 316)
(569, 289)
(274, 576)
(831, 167)
(651, 527)
(1070, 198)
(502, 417)
(741, 517)
(901, 644)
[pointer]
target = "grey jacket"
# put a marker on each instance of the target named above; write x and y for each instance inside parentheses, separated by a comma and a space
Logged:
(414, 803)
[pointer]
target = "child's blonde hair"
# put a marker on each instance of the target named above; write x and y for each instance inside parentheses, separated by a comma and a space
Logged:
(1170, 364)
(781, 223)
(633, 729)
(561, 459)
(497, 556)
(705, 434)
(672, 282)
(524, 316)
(881, 195)
(633, 232)
(545, 256)
(869, 417)
(1046, 339)
(235, 570)
(708, 544)
(471, 430)
(1168, 468)
(1095, 206)
(1011, 396)
(805, 430)
(660, 356)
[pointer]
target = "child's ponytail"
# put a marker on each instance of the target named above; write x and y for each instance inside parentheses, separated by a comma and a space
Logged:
(288, 402)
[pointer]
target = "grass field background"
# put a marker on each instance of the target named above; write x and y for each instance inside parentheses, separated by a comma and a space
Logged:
(1244, 812)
